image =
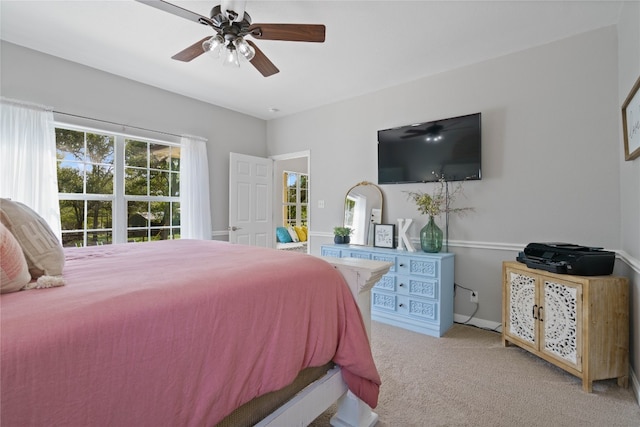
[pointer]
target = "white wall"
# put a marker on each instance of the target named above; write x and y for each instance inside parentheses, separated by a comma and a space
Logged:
(628, 73)
(67, 87)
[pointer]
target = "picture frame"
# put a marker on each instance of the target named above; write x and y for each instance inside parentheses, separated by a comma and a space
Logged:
(384, 235)
(631, 123)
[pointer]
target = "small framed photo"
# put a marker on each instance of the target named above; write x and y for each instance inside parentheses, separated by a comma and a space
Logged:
(384, 235)
(631, 123)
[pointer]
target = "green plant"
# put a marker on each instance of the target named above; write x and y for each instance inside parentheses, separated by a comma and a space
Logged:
(342, 231)
(439, 201)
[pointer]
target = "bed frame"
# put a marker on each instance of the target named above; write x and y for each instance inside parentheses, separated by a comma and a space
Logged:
(306, 406)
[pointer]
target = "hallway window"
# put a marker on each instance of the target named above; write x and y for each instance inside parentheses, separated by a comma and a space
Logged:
(295, 198)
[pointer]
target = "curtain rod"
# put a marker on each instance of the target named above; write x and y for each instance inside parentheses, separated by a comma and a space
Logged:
(117, 124)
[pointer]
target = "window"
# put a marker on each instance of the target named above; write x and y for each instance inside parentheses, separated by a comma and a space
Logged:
(295, 201)
(152, 190)
(116, 189)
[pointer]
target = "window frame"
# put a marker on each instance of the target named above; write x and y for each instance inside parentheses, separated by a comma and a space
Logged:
(286, 220)
(119, 199)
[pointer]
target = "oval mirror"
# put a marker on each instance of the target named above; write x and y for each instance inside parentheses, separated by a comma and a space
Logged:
(362, 209)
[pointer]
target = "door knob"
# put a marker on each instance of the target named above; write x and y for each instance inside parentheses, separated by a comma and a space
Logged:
(234, 228)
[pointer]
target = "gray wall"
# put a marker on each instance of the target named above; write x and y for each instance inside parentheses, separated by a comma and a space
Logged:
(552, 151)
(628, 73)
(68, 87)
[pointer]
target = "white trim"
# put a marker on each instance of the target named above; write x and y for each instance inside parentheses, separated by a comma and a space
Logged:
(629, 260)
(496, 246)
(635, 385)
(480, 323)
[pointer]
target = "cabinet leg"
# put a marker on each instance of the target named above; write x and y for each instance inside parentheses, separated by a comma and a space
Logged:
(623, 381)
(587, 385)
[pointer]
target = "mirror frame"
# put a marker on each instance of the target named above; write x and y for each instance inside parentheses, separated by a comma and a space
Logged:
(344, 211)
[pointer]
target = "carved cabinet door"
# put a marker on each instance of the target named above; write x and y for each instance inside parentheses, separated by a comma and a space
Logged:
(560, 320)
(520, 305)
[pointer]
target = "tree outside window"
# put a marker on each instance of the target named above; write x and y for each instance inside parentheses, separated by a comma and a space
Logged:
(91, 192)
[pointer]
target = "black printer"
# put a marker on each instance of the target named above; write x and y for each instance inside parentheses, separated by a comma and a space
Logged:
(567, 258)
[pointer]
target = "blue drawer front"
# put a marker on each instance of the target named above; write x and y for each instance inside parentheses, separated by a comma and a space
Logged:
(356, 254)
(425, 310)
(410, 285)
(386, 258)
(424, 267)
(383, 301)
(409, 307)
(387, 282)
(331, 252)
(424, 288)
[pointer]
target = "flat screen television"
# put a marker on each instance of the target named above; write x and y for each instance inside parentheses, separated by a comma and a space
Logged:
(424, 152)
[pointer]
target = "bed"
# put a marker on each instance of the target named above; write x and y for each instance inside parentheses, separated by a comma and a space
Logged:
(177, 333)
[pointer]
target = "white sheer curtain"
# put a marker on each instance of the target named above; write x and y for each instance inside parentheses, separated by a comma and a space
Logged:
(195, 211)
(28, 159)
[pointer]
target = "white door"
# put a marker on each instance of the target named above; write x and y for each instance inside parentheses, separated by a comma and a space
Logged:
(250, 200)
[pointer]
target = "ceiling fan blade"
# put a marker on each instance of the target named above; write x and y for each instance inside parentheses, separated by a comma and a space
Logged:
(191, 52)
(262, 63)
(288, 32)
(177, 10)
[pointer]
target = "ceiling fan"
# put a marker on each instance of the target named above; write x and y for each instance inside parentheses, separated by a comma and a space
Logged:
(232, 25)
(433, 130)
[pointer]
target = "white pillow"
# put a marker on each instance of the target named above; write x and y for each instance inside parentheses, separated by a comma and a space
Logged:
(293, 234)
(42, 249)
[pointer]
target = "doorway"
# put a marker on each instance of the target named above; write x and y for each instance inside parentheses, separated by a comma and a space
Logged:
(292, 163)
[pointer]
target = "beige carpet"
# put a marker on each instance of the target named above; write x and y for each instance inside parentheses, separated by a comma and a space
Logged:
(467, 378)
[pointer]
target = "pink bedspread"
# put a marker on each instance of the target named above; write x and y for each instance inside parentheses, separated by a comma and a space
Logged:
(174, 333)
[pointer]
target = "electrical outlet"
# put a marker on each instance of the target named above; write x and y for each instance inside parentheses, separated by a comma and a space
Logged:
(474, 296)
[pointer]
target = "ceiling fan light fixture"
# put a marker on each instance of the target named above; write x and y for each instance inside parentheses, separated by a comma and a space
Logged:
(232, 24)
(244, 48)
(213, 45)
(231, 58)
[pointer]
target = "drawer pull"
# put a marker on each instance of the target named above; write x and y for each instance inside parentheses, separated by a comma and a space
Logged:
(400, 265)
(401, 285)
(401, 305)
(534, 311)
(540, 313)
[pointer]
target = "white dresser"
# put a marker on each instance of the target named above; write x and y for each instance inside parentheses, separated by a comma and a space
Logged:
(416, 293)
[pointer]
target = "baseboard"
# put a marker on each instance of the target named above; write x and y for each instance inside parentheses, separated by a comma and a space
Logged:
(480, 323)
(635, 385)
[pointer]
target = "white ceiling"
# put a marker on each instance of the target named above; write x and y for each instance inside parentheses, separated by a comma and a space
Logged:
(369, 45)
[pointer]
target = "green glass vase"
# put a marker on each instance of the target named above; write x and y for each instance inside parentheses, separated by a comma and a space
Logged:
(431, 237)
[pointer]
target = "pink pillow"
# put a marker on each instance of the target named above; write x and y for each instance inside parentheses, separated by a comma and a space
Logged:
(13, 265)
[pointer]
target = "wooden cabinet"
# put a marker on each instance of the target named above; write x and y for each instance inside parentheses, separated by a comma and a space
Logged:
(578, 323)
(416, 293)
